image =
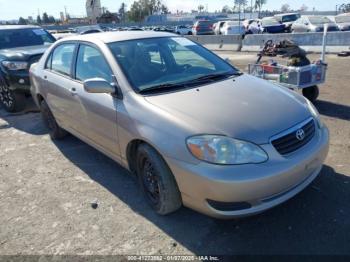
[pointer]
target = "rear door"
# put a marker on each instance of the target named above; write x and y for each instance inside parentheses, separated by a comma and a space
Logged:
(98, 111)
(58, 80)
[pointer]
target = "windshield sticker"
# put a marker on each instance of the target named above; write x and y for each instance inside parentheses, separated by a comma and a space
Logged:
(183, 41)
(39, 32)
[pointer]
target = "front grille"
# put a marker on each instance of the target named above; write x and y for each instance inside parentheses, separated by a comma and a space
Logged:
(290, 142)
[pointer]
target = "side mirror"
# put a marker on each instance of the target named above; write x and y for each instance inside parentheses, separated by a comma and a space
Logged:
(306, 23)
(98, 86)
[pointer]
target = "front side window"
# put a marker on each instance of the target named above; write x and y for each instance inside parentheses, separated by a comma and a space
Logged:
(167, 61)
(62, 58)
(12, 38)
(92, 64)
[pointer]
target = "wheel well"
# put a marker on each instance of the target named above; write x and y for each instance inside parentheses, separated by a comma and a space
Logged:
(131, 152)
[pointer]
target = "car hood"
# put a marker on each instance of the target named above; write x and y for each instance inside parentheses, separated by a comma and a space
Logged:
(245, 108)
(20, 53)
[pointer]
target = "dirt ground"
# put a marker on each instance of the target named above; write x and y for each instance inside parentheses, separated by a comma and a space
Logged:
(46, 191)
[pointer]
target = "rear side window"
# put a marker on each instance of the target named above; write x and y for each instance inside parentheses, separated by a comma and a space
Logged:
(62, 57)
(91, 64)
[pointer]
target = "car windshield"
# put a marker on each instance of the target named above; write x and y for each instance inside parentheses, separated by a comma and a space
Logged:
(319, 20)
(343, 19)
(168, 62)
(269, 21)
(12, 38)
(289, 18)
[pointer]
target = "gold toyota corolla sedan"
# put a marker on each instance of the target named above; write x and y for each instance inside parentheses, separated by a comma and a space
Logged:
(195, 130)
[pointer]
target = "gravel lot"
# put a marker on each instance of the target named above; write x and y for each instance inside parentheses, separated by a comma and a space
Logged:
(46, 191)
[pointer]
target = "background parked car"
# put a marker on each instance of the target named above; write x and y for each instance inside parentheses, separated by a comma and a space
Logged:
(218, 26)
(232, 28)
(84, 30)
(272, 26)
(343, 22)
(313, 24)
(254, 28)
(287, 20)
(246, 23)
(20, 46)
(203, 27)
(183, 30)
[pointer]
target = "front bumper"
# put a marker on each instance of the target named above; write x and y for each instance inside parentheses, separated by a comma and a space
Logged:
(17, 80)
(261, 186)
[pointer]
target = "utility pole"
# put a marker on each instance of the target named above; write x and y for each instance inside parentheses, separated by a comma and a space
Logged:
(251, 9)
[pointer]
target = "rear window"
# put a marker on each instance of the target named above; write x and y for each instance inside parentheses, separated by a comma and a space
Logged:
(289, 18)
(205, 23)
(269, 21)
(12, 38)
(343, 19)
(319, 20)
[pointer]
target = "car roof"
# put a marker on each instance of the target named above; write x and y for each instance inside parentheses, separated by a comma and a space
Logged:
(287, 14)
(115, 36)
(9, 27)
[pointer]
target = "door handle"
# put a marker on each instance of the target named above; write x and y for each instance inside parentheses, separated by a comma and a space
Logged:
(45, 77)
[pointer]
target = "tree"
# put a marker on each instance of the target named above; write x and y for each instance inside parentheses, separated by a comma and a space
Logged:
(52, 20)
(304, 8)
(122, 12)
(142, 8)
(285, 8)
(345, 8)
(45, 19)
(226, 10)
(200, 8)
(22, 21)
(259, 4)
(38, 20)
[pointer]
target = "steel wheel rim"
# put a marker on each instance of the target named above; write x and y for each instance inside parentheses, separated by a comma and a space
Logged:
(150, 181)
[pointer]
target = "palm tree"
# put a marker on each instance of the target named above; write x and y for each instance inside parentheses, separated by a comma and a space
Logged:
(259, 4)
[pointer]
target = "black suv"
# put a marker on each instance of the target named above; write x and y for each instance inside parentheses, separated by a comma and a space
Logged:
(20, 46)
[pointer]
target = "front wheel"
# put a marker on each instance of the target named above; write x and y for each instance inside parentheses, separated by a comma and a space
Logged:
(157, 182)
(55, 131)
(11, 100)
(311, 93)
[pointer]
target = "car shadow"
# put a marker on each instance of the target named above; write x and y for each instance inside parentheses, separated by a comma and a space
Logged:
(26, 120)
(333, 110)
(314, 222)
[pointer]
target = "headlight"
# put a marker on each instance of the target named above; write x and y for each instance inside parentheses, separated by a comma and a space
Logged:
(13, 65)
(314, 112)
(225, 151)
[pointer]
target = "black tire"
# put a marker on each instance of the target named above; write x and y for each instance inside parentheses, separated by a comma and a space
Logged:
(190, 33)
(156, 181)
(11, 100)
(55, 131)
(311, 93)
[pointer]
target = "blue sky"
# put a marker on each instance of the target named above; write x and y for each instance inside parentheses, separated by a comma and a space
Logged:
(12, 9)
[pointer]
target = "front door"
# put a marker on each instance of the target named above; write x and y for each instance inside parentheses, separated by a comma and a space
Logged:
(99, 111)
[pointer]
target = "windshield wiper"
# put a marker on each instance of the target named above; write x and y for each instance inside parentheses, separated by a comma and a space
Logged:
(215, 76)
(190, 83)
(162, 88)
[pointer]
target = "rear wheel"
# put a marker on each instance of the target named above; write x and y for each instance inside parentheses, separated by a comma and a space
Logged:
(11, 100)
(157, 182)
(311, 93)
(55, 131)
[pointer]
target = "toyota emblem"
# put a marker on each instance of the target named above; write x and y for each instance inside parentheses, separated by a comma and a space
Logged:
(300, 134)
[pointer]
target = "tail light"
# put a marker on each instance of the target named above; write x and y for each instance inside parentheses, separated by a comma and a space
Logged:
(196, 28)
